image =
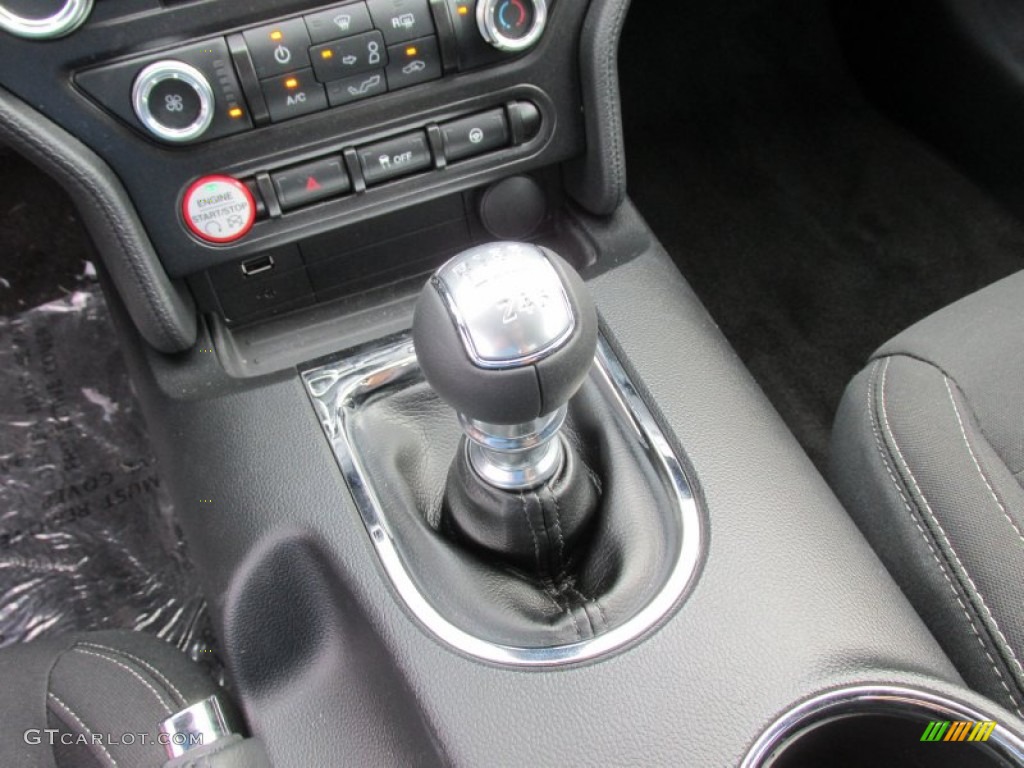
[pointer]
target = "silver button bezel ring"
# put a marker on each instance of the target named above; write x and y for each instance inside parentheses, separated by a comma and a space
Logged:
(65, 21)
(491, 33)
(158, 72)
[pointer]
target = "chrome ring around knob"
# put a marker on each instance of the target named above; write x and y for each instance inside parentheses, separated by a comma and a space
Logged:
(513, 438)
(65, 21)
(516, 457)
(520, 471)
(170, 69)
(489, 28)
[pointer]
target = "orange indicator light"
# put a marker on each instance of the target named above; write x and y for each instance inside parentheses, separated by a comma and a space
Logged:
(463, 10)
(291, 82)
(235, 112)
(327, 53)
(276, 35)
(410, 51)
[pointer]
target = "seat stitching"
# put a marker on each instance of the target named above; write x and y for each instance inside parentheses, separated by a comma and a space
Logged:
(945, 537)
(962, 570)
(977, 464)
(927, 540)
(145, 665)
(133, 673)
(81, 724)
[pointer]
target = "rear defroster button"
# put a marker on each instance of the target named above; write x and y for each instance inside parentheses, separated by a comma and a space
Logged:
(218, 209)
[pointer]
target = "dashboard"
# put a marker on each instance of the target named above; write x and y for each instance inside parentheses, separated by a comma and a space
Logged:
(293, 170)
(296, 152)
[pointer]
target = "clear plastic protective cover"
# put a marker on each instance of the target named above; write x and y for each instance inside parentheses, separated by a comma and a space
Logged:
(88, 538)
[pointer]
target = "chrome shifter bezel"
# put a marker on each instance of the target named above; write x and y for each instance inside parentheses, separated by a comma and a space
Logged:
(337, 391)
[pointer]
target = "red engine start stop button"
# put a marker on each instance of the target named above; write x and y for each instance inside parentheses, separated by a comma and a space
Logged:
(218, 209)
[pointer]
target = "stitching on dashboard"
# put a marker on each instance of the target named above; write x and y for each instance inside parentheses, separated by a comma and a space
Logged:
(611, 78)
(977, 464)
(888, 429)
(874, 421)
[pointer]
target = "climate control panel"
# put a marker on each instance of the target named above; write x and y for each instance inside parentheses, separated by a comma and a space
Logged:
(296, 66)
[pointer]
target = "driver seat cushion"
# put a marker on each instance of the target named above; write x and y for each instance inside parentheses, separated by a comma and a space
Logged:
(928, 457)
(107, 684)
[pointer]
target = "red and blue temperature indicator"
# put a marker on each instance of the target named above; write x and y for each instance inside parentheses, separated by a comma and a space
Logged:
(514, 17)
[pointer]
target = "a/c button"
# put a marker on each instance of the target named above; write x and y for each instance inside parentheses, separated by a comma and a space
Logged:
(293, 95)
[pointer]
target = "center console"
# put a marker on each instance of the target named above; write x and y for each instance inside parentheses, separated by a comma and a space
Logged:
(295, 205)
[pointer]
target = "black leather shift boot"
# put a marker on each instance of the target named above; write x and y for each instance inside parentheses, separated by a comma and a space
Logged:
(538, 530)
(620, 560)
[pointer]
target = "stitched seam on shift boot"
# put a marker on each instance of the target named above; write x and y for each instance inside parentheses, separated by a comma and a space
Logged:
(145, 665)
(548, 586)
(559, 582)
(590, 601)
(558, 530)
(977, 464)
(561, 558)
(884, 423)
(533, 534)
(551, 566)
(85, 729)
(133, 673)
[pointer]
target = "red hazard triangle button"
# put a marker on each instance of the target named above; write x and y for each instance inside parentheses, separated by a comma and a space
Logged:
(308, 183)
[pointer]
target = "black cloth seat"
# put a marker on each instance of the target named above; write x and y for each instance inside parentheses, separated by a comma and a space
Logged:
(89, 687)
(928, 457)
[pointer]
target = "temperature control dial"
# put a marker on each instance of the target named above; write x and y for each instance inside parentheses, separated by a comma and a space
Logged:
(512, 25)
(173, 100)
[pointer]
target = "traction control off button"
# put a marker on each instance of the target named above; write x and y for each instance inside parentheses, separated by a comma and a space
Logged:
(218, 209)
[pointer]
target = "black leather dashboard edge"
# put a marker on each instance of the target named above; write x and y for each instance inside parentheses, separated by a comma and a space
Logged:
(597, 180)
(163, 311)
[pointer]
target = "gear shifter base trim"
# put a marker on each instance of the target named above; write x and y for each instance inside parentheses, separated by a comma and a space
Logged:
(515, 457)
(339, 390)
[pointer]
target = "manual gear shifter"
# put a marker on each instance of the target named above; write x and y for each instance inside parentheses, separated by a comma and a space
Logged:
(505, 333)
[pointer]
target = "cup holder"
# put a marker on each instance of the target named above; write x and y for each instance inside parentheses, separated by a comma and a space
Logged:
(886, 727)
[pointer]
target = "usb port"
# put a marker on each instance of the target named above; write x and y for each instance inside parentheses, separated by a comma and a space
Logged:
(258, 265)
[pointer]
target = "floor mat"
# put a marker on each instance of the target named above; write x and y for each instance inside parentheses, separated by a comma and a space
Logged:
(88, 538)
(42, 242)
(812, 228)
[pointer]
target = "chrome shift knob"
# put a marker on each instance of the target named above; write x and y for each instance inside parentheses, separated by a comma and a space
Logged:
(505, 333)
